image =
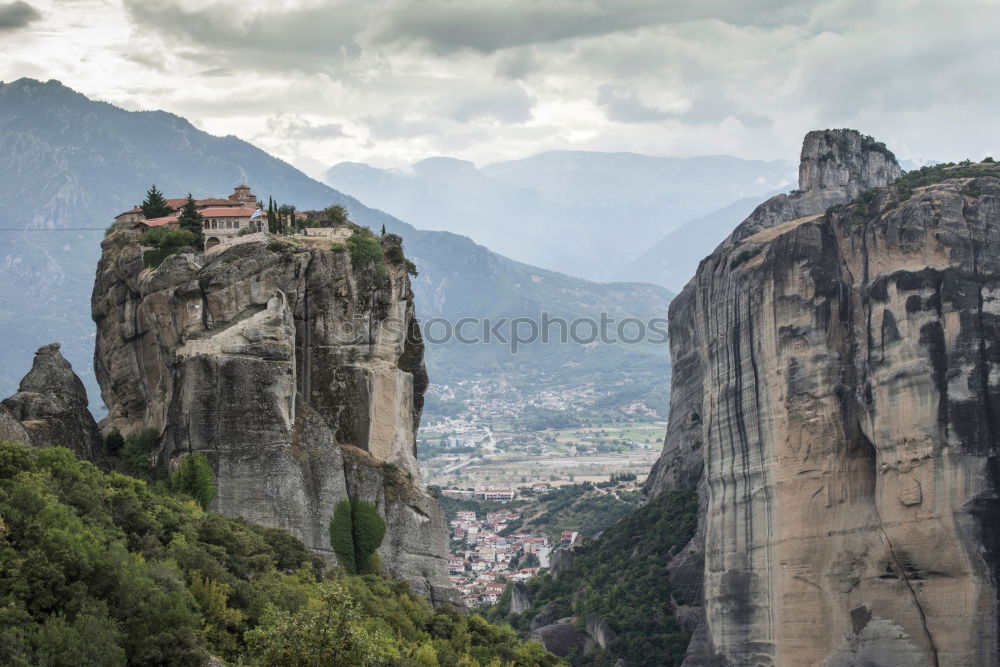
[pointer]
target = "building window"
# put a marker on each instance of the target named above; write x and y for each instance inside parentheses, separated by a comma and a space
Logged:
(206, 224)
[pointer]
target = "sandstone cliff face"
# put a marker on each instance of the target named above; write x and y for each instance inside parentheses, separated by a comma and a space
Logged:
(50, 408)
(300, 376)
(836, 394)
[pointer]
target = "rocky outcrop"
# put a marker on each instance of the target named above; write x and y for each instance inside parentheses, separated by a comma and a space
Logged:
(600, 630)
(520, 598)
(51, 406)
(836, 389)
(298, 373)
(548, 615)
(10, 428)
(561, 638)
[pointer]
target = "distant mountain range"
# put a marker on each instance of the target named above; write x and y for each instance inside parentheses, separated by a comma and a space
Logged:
(70, 164)
(673, 260)
(584, 213)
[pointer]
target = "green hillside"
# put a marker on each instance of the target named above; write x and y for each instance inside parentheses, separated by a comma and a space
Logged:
(103, 569)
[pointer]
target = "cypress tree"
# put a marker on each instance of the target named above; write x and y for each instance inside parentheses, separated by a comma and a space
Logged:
(342, 536)
(356, 532)
(194, 477)
(155, 205)
(191, 220)
(369, 530)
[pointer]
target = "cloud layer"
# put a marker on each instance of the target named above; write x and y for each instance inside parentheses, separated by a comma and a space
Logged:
(393, 81)
(14, 15)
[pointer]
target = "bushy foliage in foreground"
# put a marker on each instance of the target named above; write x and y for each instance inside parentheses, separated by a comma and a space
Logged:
(623, 577)
(99, 569)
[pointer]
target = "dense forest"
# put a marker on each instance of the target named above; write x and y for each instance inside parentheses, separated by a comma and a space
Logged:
(623, 577)
(103, 569)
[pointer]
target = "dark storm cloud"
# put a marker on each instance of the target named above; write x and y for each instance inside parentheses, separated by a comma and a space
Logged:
(447, 26)
(15, 15)
(310, 39)
(443, 26)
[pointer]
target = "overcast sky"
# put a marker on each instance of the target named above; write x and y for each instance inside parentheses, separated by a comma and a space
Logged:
(389, 82)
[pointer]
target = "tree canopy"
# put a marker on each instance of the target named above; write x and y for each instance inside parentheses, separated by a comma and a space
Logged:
(155, 204)
(101, 569)
(191, 219)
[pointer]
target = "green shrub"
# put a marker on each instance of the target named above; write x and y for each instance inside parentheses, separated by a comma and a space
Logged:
(342, 535)
(744, 255)
(336, 215)
(136, 453)
(194, 477)
(364, 250)
(179, 238)
(153, 237)
(164, 243)
(356, 531)
(394, 254)
(411, 268)
(369, 531)
(161, 237)
(151, 259)
(246, 231)
(338, 247)
(113, 442)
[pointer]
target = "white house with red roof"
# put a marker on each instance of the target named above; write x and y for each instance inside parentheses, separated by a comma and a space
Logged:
(224, 219)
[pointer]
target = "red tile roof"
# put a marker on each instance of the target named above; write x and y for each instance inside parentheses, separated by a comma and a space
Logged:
(215, 201)
(228, 212)
(159, 222)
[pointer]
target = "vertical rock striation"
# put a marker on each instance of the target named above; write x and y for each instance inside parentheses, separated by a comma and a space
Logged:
(298, 374)
(836, 394)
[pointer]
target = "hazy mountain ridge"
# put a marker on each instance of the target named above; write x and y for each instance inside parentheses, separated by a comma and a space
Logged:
(580, 212)
(673, 260)
(74, 163)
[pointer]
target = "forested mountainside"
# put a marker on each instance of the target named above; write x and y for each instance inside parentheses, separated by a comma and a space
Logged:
(71, 164)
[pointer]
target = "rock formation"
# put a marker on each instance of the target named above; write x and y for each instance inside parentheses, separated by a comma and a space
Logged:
(835, 402)
(298, 374)
(520, 598)
(11, 428)
(51, 407)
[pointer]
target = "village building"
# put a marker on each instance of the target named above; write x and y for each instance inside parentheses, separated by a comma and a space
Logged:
(224, 219)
